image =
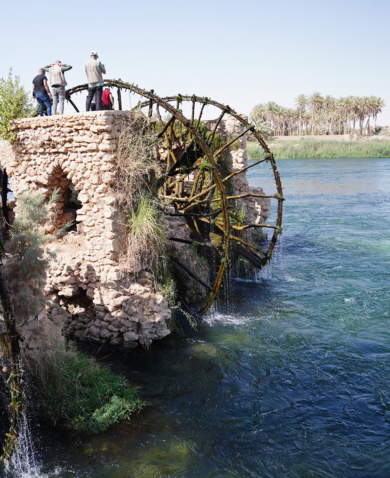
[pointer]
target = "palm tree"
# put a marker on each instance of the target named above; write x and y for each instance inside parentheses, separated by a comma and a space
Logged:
(301, 102)
(379, 104)
(315, 101)
(271, 115)
(347, 107)
(342, 108)
(262, 127)
(353, 117)
(259, 112)
(362, 109)
(306, 121)
(355, 111)
(332, 109)
(328, 101)
(371, 106)
(325, 116)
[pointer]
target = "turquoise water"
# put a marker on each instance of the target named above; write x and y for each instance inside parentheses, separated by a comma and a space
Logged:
(292, 379)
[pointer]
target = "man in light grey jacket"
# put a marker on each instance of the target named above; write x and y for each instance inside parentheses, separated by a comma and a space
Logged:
(58, 83)
(94, 70)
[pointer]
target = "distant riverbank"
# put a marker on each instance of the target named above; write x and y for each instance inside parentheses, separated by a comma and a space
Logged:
(313, 148)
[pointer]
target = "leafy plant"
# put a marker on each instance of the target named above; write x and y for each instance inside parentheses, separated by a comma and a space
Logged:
(27, 261)
(234, 146)
(14, 103)
(237, 216)
(78, 389)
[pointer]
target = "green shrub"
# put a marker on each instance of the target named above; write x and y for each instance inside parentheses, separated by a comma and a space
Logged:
(234, 146)
(14, 103)
(77, 389)
(26, 265)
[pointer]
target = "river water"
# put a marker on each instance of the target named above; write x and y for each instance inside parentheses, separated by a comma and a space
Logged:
(292, 379)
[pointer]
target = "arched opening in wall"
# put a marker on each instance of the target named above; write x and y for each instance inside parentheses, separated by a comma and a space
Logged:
(71, 206)
(80, 311)
(66, 203)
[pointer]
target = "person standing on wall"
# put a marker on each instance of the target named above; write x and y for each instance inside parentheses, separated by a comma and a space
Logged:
(94, 70)
(107, 100)
(58, 83)
(42, 92)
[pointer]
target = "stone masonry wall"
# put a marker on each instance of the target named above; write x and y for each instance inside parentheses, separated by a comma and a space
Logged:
(103, 300)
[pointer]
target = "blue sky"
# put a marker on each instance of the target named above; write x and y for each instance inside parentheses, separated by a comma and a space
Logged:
(239, 53)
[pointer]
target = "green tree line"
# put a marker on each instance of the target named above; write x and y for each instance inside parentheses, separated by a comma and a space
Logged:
(317, 114)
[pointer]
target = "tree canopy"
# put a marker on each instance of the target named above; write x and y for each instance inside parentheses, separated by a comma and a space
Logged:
(317, 114)
(14, 103)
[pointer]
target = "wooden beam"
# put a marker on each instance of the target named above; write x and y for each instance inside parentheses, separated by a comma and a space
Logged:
(190, 273)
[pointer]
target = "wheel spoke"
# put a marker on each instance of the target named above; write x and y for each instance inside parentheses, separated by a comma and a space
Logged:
(194, 186)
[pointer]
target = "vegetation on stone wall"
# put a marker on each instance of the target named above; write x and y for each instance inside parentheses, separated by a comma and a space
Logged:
(148, 232)
(135, 189)
(73, 387)
(14, 103)
(311, 148)
(27, 262)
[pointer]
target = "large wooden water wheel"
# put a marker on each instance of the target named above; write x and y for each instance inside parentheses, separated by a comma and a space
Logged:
(194, 183)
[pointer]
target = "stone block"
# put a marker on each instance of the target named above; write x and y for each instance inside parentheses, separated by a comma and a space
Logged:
(109, 212)
(116, 341)
(130, 337)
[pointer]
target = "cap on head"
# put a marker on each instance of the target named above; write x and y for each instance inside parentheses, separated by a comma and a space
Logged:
(94, 53)
(58, 61)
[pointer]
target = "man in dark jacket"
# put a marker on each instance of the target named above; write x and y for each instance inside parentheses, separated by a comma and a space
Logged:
(42, 92)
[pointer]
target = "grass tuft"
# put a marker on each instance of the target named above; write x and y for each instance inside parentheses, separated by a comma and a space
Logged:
(137, 163)
(148, 233)
(77, 389)
(136, 191)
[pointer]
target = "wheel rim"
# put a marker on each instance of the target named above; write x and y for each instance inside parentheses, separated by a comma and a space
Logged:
(195, 153)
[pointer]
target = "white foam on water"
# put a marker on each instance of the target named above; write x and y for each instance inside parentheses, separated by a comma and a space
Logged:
(217, 318)
(291, 279)
(351, 299)
(14, 471)
(23, 463)
(257, 275)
